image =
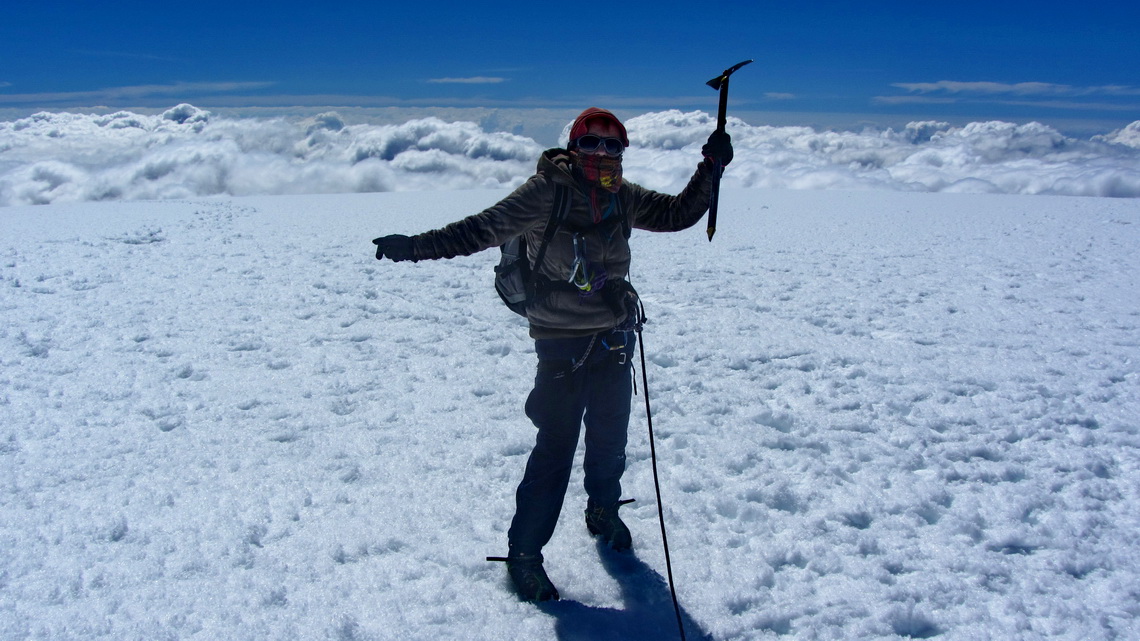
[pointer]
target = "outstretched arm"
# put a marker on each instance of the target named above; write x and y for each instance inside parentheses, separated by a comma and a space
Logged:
(524, 208)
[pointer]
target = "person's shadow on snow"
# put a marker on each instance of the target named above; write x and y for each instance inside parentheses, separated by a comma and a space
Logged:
(648, 613)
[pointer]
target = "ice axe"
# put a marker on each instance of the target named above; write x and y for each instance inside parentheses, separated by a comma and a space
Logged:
(720, 83)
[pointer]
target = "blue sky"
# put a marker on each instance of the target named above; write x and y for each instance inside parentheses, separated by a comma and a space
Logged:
(967, 60)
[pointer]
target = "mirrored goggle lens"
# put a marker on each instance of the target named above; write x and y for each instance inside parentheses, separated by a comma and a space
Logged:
(590, 143)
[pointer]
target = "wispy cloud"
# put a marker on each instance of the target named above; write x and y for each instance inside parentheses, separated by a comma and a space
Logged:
(476, 80)
(1017, 89)
(128, 55)
(773, 95)
(186, 88)
(137, 92)
(1071, 104)
(1045, 95)
(988, 88)
(912, 100)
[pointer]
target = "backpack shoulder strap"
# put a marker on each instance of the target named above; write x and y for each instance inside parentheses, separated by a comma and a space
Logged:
(558, 212)
(626, 223)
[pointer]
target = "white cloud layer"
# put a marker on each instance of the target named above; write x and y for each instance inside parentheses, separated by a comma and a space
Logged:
(187, 152)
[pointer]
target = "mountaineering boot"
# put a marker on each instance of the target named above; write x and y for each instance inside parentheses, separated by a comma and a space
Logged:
(604, 521)
(529, 578)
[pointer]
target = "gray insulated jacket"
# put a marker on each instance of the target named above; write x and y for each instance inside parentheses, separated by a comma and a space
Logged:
(563, 313)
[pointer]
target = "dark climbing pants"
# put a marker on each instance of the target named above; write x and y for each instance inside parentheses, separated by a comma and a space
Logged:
(580, 381)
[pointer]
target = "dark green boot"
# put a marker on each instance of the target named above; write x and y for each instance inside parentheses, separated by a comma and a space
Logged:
(605, 522)
(529, 578)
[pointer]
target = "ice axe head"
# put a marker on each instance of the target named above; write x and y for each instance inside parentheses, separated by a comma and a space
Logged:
(720, 83)
(722, 79)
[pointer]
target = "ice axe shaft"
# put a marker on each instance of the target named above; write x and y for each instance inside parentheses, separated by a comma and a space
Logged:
(720, 83)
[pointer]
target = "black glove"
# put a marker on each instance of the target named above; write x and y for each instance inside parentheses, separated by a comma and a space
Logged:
(394, 247)
(718, 148)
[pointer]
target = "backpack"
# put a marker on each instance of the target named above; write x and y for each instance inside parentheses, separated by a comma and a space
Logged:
(514, 275)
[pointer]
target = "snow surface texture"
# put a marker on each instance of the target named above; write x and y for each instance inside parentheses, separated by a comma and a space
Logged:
(188, 152)
(879, 415)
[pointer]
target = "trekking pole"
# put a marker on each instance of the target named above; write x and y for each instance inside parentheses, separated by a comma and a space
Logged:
(656, 481)
(720, 83)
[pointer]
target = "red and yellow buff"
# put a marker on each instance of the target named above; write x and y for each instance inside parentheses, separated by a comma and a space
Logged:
(604, 171)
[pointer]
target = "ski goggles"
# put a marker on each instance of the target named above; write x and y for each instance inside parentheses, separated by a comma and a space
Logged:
(591, 143)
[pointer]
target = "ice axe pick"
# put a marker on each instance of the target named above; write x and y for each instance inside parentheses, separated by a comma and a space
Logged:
(720, 83)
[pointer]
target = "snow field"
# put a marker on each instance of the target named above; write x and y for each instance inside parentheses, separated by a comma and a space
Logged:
(879, 415)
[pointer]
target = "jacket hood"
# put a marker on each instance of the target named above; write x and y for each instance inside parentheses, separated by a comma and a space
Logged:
(558, 165)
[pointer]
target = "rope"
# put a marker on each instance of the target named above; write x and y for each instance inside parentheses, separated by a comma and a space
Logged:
(656, 481)
(585, 357)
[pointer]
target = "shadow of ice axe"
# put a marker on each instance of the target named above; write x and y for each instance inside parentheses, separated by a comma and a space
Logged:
(720, 83)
